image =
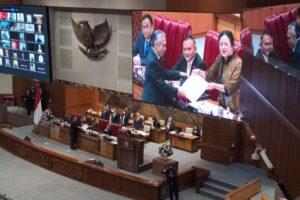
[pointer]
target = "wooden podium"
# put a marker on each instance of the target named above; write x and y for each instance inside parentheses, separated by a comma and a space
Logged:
(159, 164)
(130, 153)
(43, 129)
(220, 140)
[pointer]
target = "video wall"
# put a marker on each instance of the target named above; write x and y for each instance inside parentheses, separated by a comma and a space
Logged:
(24, 47)
(193, 61)
(184, 64)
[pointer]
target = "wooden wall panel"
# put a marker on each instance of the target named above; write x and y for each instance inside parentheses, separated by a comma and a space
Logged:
(264, 3)
(21, 85)
(122, 100)
(69, 99)
(219, 6)
(208, 20)
(255, 18)
(230, 22)
(276, 86)
(270, 100)
(179, 5)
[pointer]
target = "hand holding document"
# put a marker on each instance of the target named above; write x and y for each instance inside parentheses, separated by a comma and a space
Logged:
(84, 127)
(194, 87)
(136, 60)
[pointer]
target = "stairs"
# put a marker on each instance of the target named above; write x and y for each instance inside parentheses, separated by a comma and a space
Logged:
(215, 189)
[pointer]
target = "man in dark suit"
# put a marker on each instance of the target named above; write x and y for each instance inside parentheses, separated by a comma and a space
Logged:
(266, 51)
(125, 117)
(155, 89)
(29, 100)
(115, 117)
(298, 22)
(142, 44)
(74, 129)
(171, 175)
(189, 59)
(106, 113)
(138, 122)
(294, 44)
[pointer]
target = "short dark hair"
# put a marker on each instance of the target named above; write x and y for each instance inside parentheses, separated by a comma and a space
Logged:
(265, 33)
(189, 37)
(229, 35)
(147, 16)
(298, 12)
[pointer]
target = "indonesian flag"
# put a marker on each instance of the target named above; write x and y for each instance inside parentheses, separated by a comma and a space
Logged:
(37, 106)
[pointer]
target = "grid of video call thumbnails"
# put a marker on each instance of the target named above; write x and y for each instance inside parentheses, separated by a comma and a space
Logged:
(22, 41)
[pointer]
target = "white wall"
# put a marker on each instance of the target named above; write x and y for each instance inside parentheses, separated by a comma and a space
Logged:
(6, 84)
(113, 71)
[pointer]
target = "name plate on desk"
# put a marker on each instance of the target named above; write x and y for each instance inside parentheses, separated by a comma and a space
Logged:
(126, 143)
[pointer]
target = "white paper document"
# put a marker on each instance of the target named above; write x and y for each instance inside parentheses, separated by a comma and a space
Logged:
(84, 127)
(194, 87)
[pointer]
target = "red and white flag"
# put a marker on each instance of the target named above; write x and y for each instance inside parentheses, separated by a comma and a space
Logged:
(37, 106)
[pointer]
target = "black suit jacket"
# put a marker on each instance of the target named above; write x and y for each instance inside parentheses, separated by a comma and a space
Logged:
(138, 123)
(138, 47)
(181, 65)
(105, 114)
(125, 118)
(115, 117)
(155, 89)
(295, 58)
(272, 58)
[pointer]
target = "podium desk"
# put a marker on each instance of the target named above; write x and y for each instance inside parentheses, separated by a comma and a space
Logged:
(137, 135)
(64, 135)
(184, 142)
(130, 153)
(43, 129)
(220, 140)
(159, 164)
(158, 135)
(88, 143)
(108, 150)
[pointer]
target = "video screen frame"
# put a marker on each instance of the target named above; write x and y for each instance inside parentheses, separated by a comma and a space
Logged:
(24, 20)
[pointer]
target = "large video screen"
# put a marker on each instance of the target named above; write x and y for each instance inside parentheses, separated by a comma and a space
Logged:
(189, 61)
(24, 42)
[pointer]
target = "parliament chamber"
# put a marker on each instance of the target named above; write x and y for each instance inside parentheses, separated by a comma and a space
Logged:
(95, 127)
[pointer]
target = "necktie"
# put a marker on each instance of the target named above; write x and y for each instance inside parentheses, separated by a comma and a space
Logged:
(189, 67)
(145, 47)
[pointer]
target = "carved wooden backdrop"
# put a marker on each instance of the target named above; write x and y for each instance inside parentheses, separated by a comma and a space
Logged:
(121, 100)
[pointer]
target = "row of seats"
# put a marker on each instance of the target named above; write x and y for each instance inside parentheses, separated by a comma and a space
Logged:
(102, 124)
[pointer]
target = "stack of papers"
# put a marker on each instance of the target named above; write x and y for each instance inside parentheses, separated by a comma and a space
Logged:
(194, 87)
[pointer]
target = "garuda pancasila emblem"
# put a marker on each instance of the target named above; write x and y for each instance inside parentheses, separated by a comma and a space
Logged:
(94, 40)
